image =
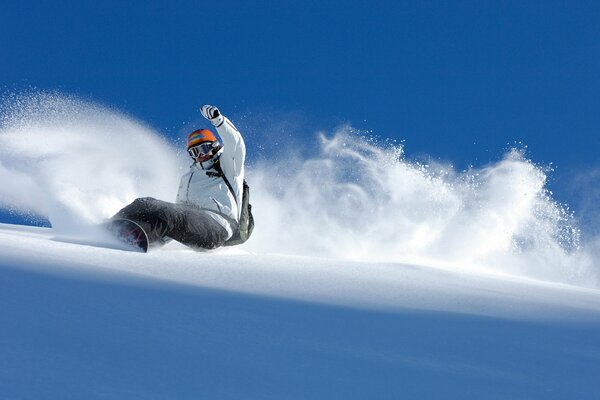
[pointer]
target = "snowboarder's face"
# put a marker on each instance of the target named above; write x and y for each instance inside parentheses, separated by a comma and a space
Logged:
(203, 158)
(202, 152)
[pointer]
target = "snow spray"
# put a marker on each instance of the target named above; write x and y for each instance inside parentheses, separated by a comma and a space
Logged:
(360, 200)
(77, 163)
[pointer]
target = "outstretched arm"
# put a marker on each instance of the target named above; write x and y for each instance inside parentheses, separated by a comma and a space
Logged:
(229, 134)
(234, 149)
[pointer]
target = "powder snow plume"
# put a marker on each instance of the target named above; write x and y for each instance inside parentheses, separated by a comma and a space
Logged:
(360, 200)
(353, 198)
(76, 162)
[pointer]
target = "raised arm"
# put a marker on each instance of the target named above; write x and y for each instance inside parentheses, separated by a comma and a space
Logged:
(234, 148)
(229, 134)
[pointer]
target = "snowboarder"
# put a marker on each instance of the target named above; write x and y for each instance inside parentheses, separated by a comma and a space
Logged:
(209, 201)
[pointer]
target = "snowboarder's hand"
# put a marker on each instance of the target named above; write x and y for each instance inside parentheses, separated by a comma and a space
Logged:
(212, 114)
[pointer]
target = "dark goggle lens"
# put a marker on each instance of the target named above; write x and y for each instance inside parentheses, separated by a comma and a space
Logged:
(200, 150)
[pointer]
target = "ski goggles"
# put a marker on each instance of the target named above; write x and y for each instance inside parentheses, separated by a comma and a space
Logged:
(201, 150)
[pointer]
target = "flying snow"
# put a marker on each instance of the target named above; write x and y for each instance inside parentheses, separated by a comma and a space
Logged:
(78, 163)
(363, 201)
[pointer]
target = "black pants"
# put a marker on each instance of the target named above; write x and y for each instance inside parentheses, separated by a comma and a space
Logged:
(186, 224)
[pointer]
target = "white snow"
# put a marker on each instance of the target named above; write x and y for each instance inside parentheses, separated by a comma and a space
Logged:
(368, 275)
(90, 322)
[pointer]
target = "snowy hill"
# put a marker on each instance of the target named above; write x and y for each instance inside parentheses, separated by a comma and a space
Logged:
(88, 322)
(368, 275)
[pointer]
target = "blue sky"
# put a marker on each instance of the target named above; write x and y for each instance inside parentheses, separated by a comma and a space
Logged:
(459, 80)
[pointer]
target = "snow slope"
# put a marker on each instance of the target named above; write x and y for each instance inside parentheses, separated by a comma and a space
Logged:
(89, 322)
(368, 275)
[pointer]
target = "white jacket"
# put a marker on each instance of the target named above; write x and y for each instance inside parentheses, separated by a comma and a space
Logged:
(211, 192)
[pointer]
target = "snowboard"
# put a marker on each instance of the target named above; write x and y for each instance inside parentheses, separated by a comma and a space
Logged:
(129, 233)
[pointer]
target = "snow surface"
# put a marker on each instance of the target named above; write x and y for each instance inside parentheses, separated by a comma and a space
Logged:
(90, 322)
(368, 275)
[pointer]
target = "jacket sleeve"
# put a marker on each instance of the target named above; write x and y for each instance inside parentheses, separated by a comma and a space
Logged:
(233, 156)
(234, 148)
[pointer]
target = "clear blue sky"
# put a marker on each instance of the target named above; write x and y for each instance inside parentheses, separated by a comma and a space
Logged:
(459, 80)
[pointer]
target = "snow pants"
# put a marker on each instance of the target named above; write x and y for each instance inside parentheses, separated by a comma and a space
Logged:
(186, 224)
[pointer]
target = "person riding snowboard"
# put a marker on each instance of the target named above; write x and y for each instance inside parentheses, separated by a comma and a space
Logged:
(209, 201)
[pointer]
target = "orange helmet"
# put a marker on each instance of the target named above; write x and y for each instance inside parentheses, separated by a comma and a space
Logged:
(200, 136)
